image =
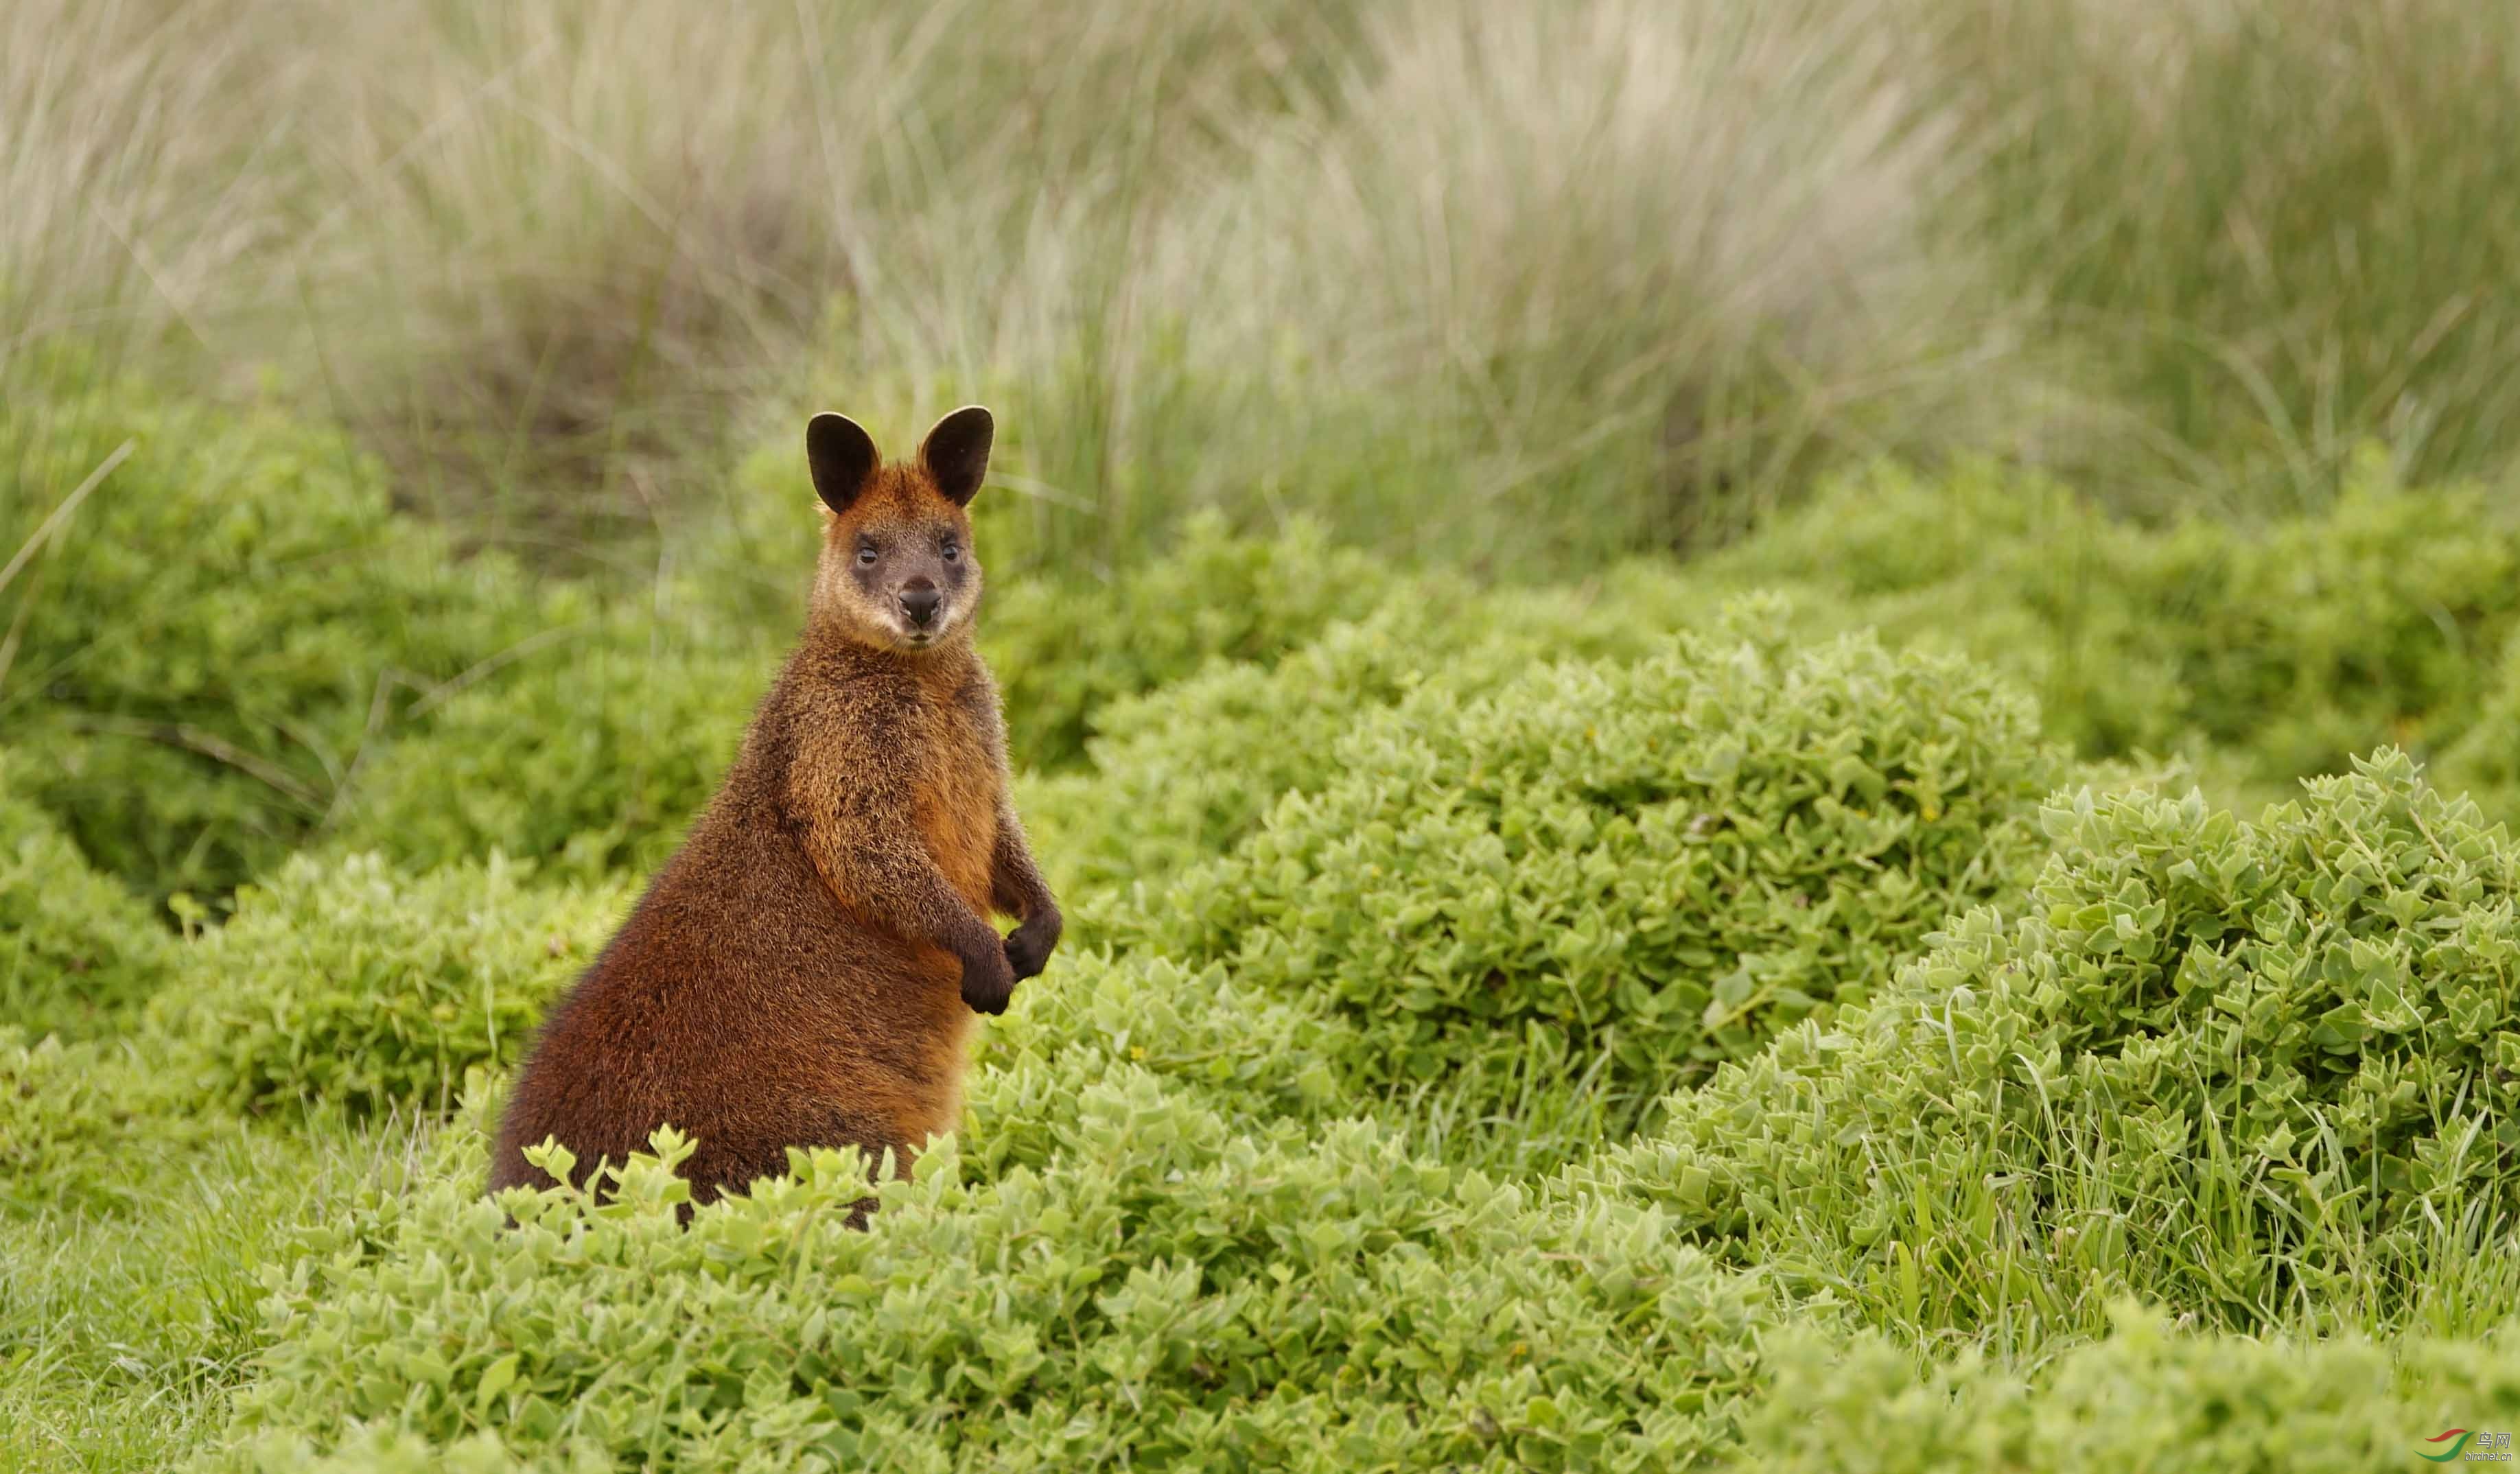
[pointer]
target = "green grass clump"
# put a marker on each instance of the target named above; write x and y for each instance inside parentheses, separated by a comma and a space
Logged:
(128, 1315)
(2146, 1399)
(1644, 867)
(346, 984)
(78, 951)
(1169, 1293)
(201, 648)
(2260, 1073)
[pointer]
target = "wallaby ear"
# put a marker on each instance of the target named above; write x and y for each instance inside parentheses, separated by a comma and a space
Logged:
(957, 452)
(842, 457)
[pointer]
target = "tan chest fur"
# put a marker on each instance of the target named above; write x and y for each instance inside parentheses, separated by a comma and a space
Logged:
(956, 794)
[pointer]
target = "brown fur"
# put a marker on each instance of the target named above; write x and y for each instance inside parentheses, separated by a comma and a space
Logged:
(804, 970)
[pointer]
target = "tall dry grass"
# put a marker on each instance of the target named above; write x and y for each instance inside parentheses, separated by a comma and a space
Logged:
(142, 172)
(605, 226)
(1503, 281)
(535, 250)
(1521, 285)
(2282, 227)
(1618, 273)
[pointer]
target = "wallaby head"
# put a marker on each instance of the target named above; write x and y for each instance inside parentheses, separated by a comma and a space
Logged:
(897, 570)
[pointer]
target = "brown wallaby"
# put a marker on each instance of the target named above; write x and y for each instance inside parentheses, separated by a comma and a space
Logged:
(804, 971)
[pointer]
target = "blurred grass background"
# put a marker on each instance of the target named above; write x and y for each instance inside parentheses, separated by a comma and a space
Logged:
(1513, 285)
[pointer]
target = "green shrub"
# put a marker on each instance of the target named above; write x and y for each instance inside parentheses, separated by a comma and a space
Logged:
(381, 1452)
(48, 1098)
(1101, 1015)
(2144, 1399)
(1652, 864)
(78, 952)
(591, 754)
(1183, 772)
(2375, 621)
(2257, 1072)
(2293, 645)
(2486, 761)
(203, 646)
(2014, 570)
(1166, 1294)
(72, 1117)
(346, 984)
(1062, 648)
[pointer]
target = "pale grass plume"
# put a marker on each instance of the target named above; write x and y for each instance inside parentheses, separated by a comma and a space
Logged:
(137, 179)
(1647, 258)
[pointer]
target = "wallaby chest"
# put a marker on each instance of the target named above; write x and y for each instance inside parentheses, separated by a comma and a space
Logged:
(956, 775)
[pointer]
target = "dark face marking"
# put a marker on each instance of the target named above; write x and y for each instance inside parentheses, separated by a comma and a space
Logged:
(915, 575)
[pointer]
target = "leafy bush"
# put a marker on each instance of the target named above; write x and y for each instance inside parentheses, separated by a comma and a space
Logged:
(77, 950)
(1657, 862)
(1167, 1294)
(346, 984)
(205, 642)
(2144, 1399)
(1181, 772)
(2375, 621)
(2295, 645)
(1062, 648)
(2486, 761)
(1104, 1015)
(86, 1124)
(2256, 1072)
(1184, 770)
(590, 754)
(2017, 571)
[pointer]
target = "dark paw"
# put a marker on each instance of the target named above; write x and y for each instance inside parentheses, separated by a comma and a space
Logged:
(988, 981)
(1028, 949)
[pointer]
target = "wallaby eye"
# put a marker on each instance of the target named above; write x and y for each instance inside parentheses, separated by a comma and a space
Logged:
(952, 550)
(866, 554)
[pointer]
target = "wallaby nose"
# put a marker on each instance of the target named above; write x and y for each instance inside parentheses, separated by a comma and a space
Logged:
(918, 600)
